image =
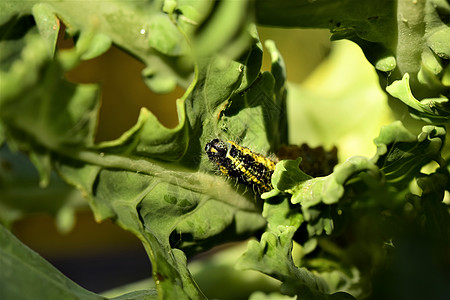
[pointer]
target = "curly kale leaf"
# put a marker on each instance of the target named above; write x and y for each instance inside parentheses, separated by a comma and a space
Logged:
(408, 42)
(153, 181)
(345, 221)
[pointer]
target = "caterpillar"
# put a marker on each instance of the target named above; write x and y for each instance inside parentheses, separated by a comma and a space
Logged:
(248, 167)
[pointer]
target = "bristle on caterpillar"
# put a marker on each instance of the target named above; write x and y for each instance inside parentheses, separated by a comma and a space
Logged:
(239, 162)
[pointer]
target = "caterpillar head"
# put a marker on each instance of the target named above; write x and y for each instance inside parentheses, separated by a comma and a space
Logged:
(216, 150)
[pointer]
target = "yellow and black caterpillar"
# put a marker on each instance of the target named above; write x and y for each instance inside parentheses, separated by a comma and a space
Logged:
(238, 162)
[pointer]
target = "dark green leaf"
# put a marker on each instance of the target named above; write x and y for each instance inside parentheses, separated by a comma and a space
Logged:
(401, 155)
(21, 267)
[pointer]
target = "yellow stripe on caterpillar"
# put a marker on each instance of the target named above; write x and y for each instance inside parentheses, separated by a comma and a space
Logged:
(239, 162)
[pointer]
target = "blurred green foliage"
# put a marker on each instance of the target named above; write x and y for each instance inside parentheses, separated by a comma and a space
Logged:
(362, 231)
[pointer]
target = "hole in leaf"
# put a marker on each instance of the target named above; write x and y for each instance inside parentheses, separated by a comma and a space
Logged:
(124, 92)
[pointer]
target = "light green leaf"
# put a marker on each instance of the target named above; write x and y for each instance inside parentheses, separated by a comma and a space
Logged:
(446, 76)
(430, 109)
(48, 25)
(330, 189)
(91, 44)
(219, 33)
(439, 42)
(287, 175)
(166, 38)
(159, 83)
(278, 66)
(344, 82)
(42, 161)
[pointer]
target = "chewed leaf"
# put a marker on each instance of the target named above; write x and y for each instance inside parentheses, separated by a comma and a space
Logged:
(153, 181)
(309, 191)
(149, 138)
(288, 174)
(58, 113)
(167, 204)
